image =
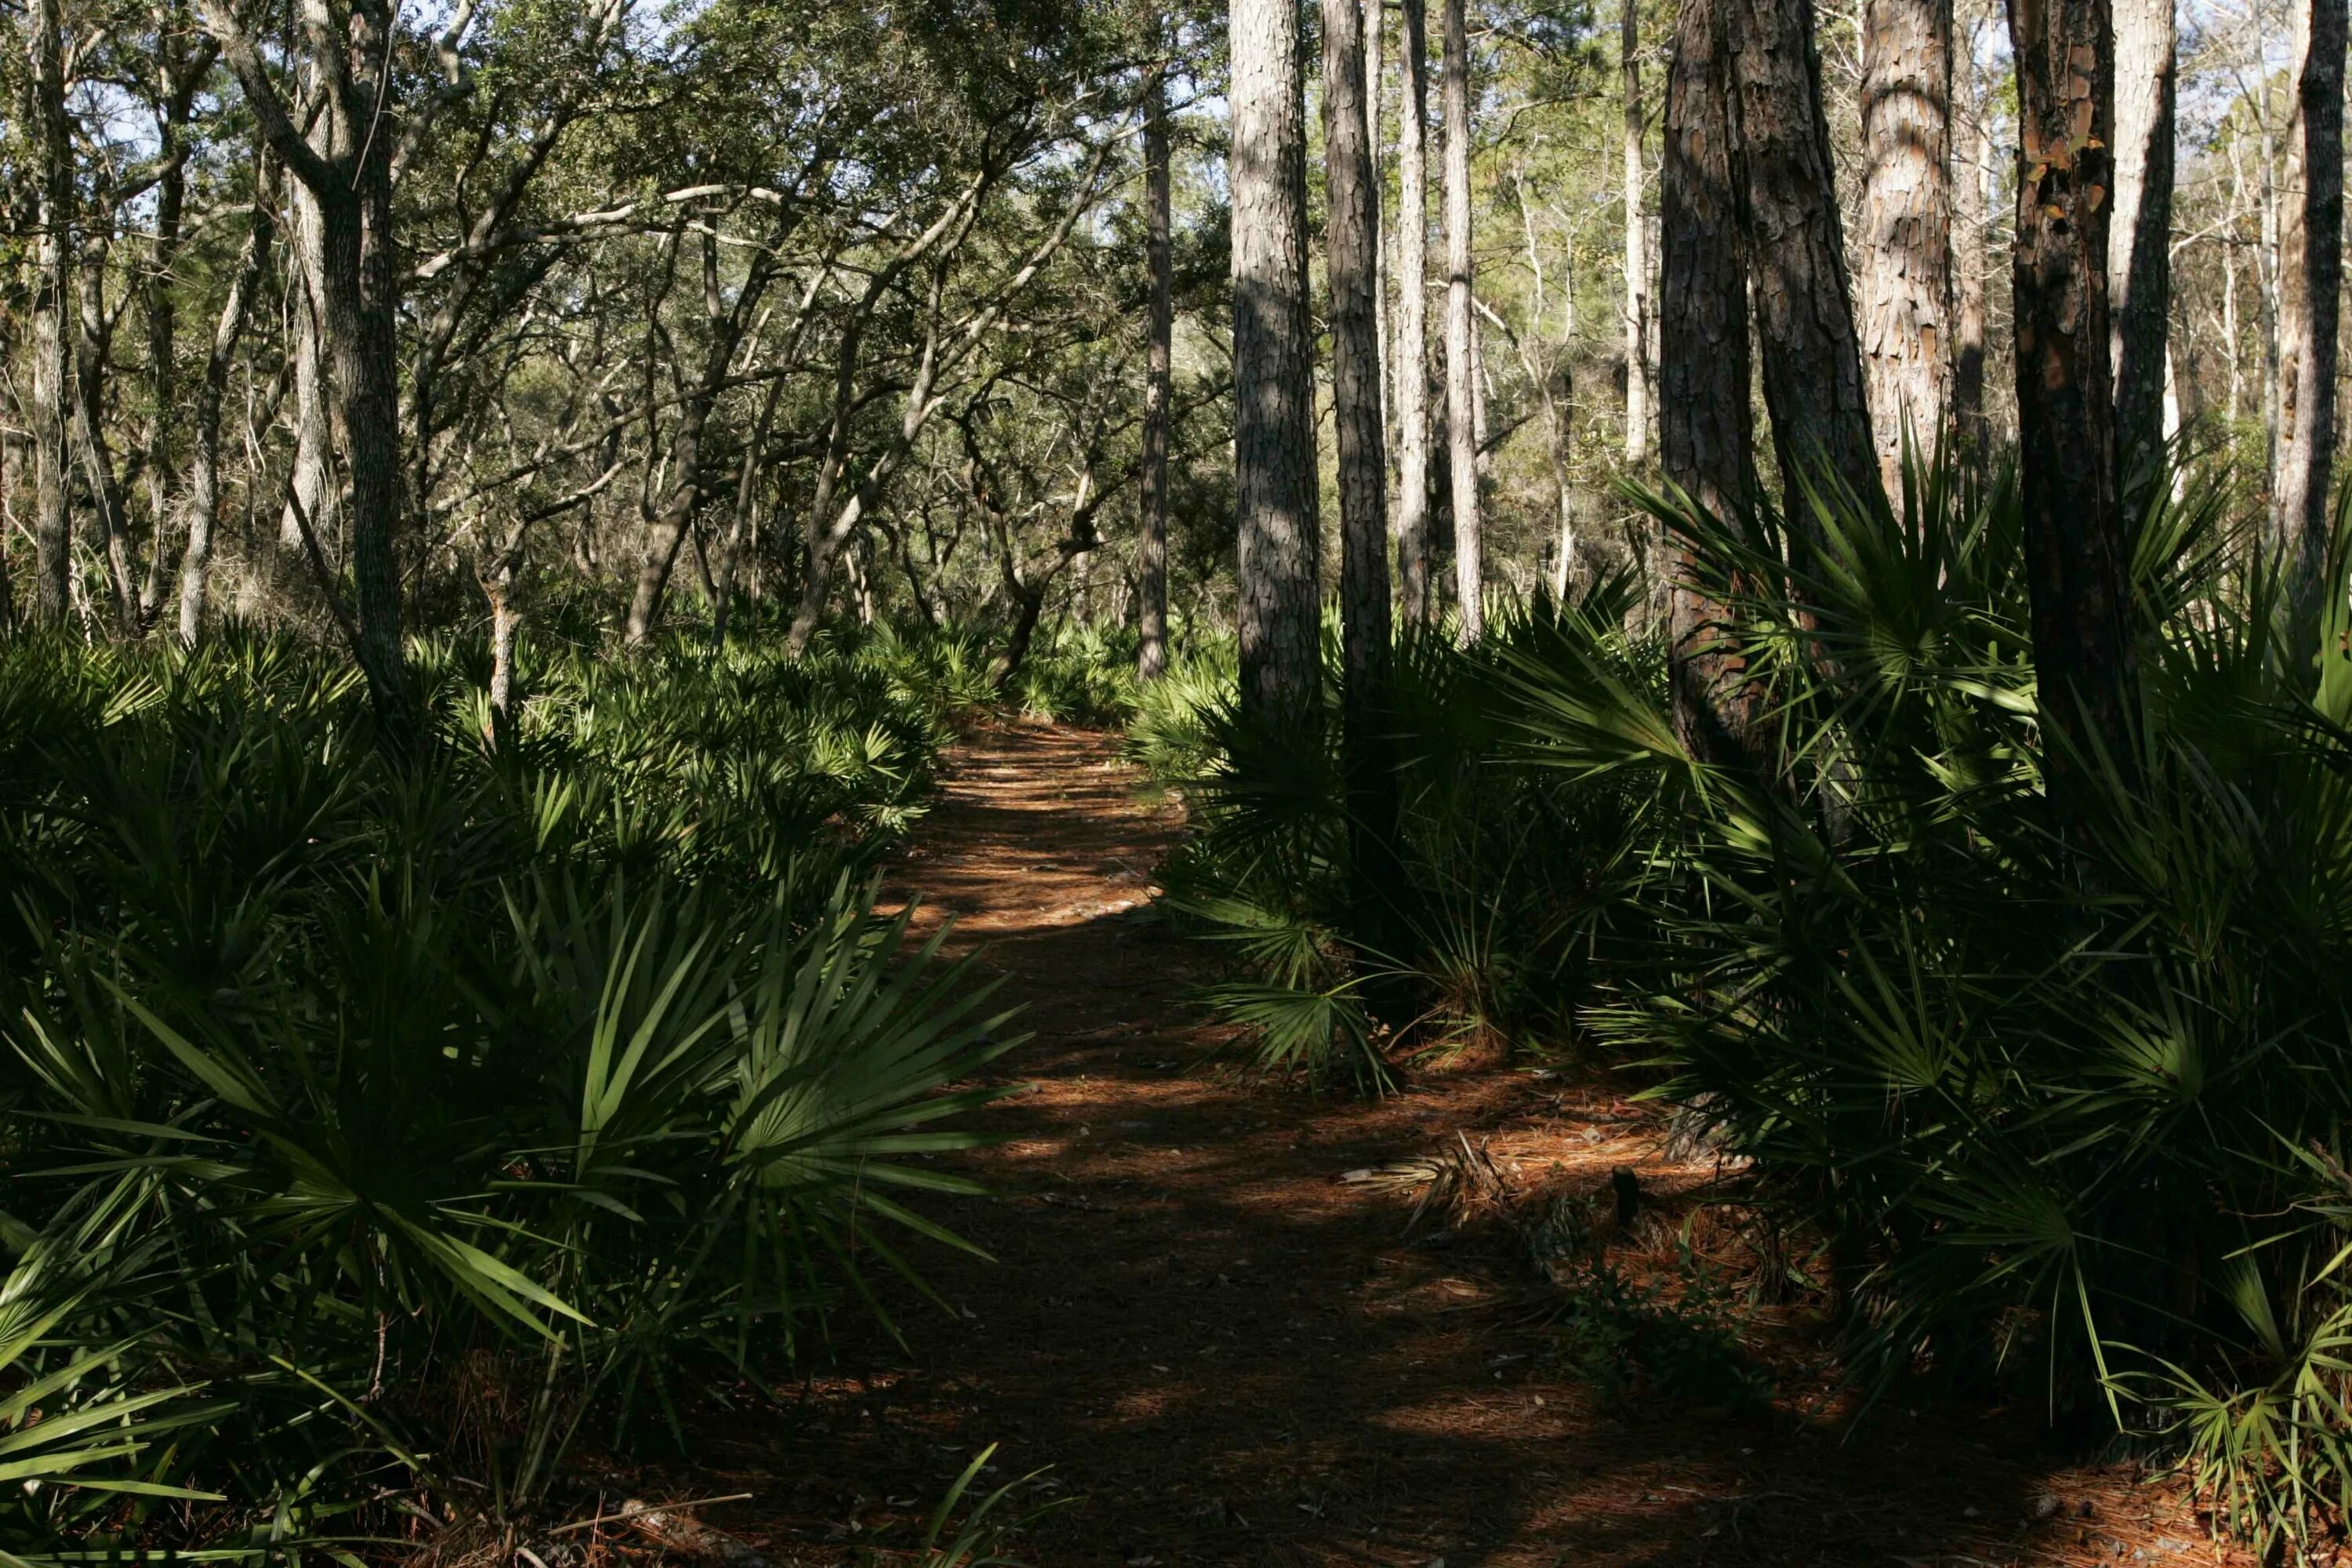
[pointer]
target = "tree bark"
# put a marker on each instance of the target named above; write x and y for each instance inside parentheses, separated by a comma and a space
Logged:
(1907, 285)
(1274, 391)
(2139, 234)
(53, 297)
(1803, 299)
(1460, 332)
(2073, 516)
(1971, 263)
(1706, 439)
(93, 349)
(1637, 250)
(2315, 261)
(1352, 248)
(1151, 551)
(1412, 353)
(203, 476)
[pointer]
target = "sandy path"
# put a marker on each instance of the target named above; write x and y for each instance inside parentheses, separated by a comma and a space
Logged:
(1231, 1358)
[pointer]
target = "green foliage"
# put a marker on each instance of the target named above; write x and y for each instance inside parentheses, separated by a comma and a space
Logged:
(373, 1124)
(1637, 1340)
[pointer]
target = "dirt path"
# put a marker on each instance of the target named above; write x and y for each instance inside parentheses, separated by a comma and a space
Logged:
(1230, 1357)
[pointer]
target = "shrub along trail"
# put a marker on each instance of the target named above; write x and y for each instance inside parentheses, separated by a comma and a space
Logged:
(1229, 1356)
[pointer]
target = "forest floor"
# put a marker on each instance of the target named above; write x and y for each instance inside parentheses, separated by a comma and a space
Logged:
(1227, 1356)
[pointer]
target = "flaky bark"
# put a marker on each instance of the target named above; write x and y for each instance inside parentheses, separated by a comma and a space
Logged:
(1411, 354)
(1351, 246)
(1273, 392)
(2073, 516)
(1637, 250)
(1461, 405)
(1151, 551)
(1907, 279)
(1803, 299)
(1706, 437)
(53, 297)
(2139, 233)
(1970, 261)
(2315, 262)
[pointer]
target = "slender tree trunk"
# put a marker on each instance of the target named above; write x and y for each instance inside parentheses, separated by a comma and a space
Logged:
(203, 476)
(53, 297)
(1352, 247)
(1460, 332)
(1375, 23)
(1970, 220)
(1151, 554)
(1706, 439)
(2075, 553)
(93, 347)
(1803, 299)
(1274, 389)
(1637, 250)
(1412, 356)
(2315, 262)
(1907, 284)
(2140, 235)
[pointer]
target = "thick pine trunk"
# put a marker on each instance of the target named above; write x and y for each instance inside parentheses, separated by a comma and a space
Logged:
(2315, 262)
(53, 297)
(1274, 391)
(1411, 357)
(2073, 516)
(1151, 554)
(1706, 437)
(1352, 249)
(2140, 232)
(1637, 250)
(1460, 332)
(1906, 281)
(1970, 262)
(1803, 299)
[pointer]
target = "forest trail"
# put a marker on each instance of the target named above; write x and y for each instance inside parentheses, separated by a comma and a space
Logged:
(1227, 1356)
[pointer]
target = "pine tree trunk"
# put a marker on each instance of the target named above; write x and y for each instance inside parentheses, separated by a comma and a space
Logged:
(1273, 392)
(1637, 250)
(1803, 299)
(1151, 554)
(1907, 284)
(1375, 23)
(2073, 518)
(53, 297)
(1461, 330)
(1970, 262)
(2139, 233)
(1411, 352)
(2315, 263)
(1706, 437)
(1351, 246)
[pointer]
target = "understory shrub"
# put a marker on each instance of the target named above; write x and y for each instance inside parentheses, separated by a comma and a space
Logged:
(374, 1128)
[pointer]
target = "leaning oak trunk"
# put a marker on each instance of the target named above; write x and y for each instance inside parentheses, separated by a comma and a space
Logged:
(1274, 391)
(1906, 279)
(2073, 516)
(1706, 437)
(1803, 301)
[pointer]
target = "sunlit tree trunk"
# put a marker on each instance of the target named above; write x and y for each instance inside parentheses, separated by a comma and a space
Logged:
(1461, 332)
(1803, 301)
(53, 296)
(1375, 23)
(1410, 355)
(1907, 284)
(2139, 234)
(1273, 392)
(1971, 243)
(1706, 437)
(1637, 250)
(2073, 518)
(1151, 551)
(2313, 262)
(203, 474)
